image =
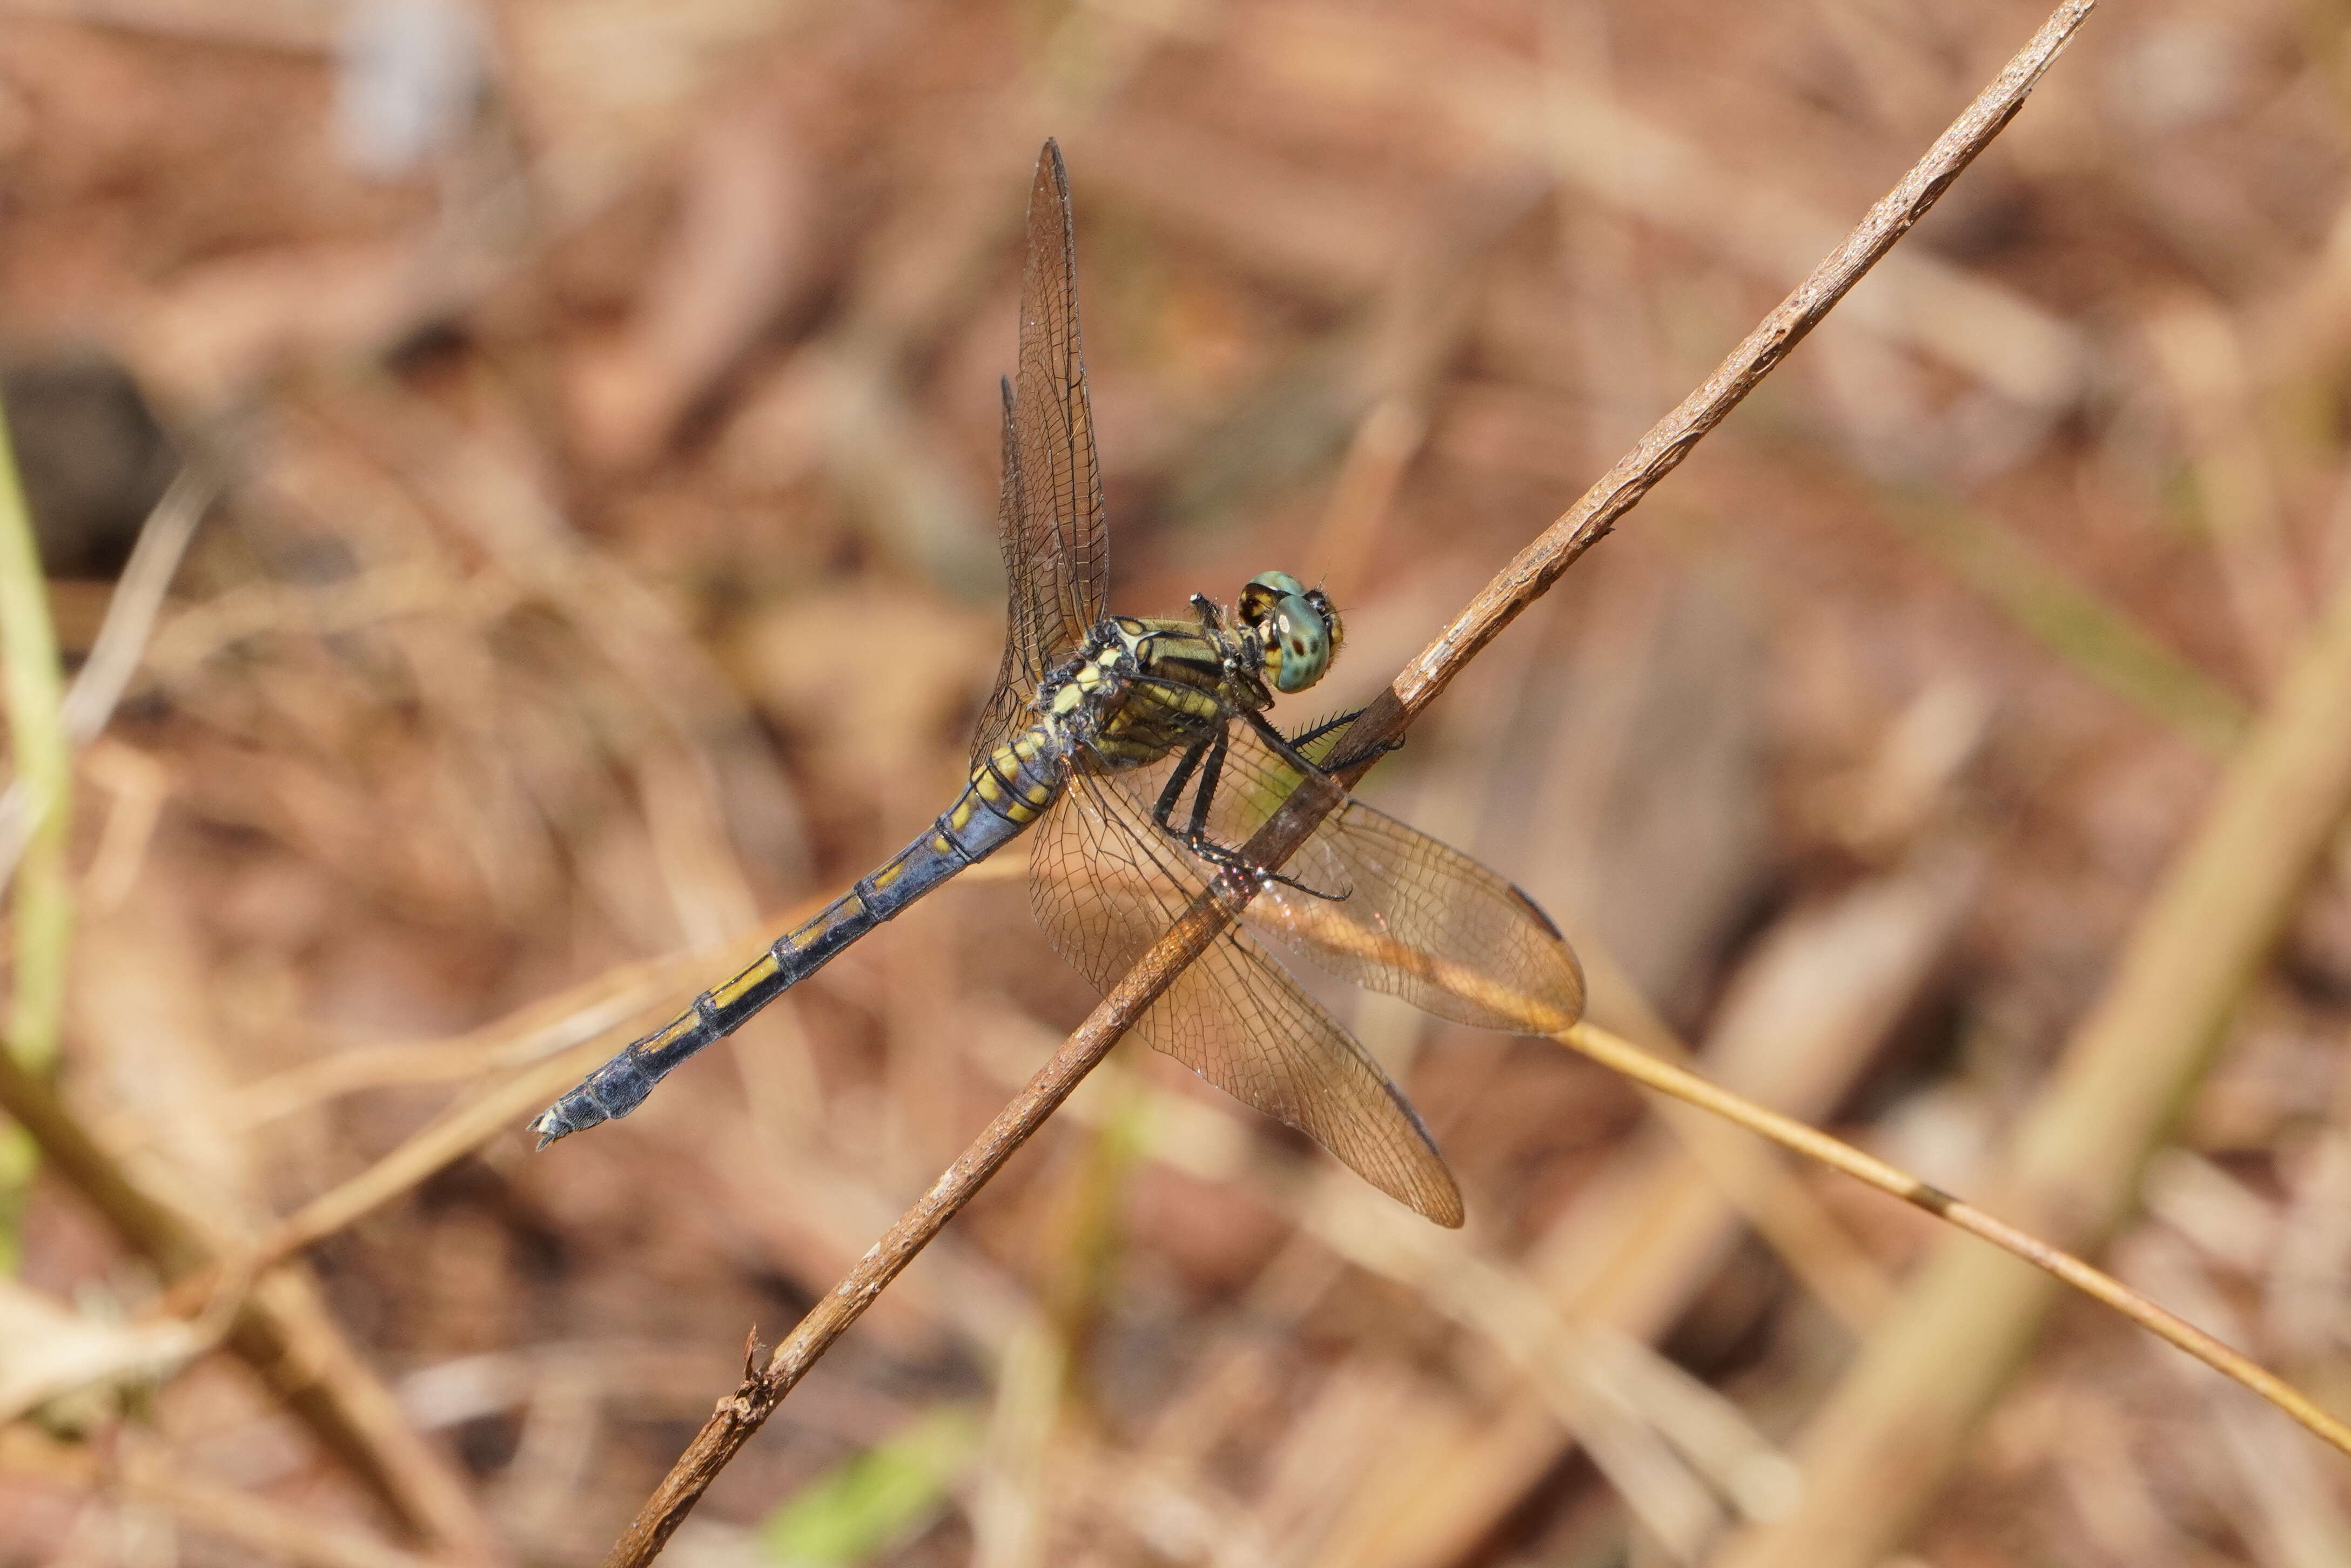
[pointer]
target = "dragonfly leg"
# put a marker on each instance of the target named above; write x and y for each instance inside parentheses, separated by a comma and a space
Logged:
(1288, 750)
(1211, 775)
(1179, 777)
(1209, 758)
(1313, 733)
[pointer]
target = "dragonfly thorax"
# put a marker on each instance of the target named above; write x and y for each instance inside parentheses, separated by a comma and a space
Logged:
(1138, 688)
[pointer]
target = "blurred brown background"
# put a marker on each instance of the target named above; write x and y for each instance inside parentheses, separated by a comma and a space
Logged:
(602, 398)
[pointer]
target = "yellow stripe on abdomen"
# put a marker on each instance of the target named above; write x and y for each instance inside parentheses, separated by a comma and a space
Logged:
(728, 993)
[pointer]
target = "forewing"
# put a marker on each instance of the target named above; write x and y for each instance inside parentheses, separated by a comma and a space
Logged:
(1066, 570)
(1404, 913)
(1106, 884)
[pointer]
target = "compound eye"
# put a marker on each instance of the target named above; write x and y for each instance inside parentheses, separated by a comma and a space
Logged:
(1298, 645)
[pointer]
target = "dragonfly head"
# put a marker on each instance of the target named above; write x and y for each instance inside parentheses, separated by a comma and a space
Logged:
(1296, 626)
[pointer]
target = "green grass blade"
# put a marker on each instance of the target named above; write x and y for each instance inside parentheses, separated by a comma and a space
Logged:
(861, 1508)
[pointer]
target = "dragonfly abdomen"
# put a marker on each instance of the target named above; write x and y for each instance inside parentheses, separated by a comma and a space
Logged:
(1011, 788)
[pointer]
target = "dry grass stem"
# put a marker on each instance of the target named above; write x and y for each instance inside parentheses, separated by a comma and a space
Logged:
(43, 757)
(131, 613)
(1622, 1056)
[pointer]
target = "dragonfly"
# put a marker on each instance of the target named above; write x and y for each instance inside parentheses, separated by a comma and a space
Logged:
(1138, 755)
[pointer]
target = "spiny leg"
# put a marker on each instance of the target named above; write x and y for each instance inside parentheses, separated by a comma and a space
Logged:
(1299, 742)
(1314, 732)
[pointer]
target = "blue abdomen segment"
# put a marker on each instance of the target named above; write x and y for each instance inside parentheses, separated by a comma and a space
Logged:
(1010, 788)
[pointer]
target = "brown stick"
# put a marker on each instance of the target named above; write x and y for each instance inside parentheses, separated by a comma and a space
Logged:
(1527, 577)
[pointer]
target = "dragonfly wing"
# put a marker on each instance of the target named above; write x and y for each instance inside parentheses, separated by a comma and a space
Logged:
(1106, 884)
(1404, 914)
(1067, 575)
(1049, 515)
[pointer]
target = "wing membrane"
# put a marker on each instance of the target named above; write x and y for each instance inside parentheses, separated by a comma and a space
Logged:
(1409, 915)
(1106, 884)
(1049, 519)
(1068, 578)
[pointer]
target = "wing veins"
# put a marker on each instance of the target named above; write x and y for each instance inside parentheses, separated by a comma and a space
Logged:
(1234, 1015)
